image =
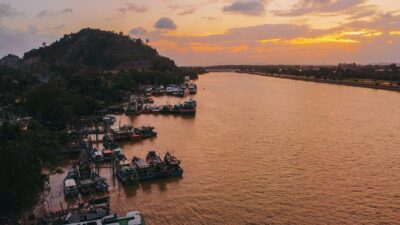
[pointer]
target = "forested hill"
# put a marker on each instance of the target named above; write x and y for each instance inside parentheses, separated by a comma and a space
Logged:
(105, 50)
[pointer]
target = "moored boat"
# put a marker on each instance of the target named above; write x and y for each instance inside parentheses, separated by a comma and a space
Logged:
(86, 186)
(126, 174)
(146, 131)
(107, 154)
(99, 183)
(70, 187)
(96, 156)
(125, 132)
(166, 109)
(109, 119)
(173, 164)
(145, 172)
(188, 107)
(192, 88)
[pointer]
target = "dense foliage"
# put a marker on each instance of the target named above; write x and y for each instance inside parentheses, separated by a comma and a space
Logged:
(13, 84)
(98, 49)
(23, 152)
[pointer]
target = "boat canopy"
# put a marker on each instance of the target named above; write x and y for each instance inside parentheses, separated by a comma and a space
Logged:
(141, 163)
(118, 150)
(70, 183)
(105, 151)
(124, 163)
(85, 182)
(96, 153)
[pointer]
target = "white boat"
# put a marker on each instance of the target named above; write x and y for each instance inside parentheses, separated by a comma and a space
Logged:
(192, 88)
(170, 89)
(70, 187)
(162, 90)
(110, 119)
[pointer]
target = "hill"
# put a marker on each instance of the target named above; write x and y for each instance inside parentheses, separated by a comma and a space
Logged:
(102, 50)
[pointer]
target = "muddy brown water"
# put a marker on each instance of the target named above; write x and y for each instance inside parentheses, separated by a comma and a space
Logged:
(264, 150)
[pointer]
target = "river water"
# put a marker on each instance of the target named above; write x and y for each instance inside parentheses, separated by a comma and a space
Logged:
(264, 150)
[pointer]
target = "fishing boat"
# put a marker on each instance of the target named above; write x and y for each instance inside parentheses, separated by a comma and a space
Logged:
(173, 164)
(147, 109)
(179, 92)
(99, 183)
(176, 109)
(132, 109)
(107, 154)
(162, 90)
(156, 109)
(157, 165)
(145, 172)
(109, 119)
(170, 89)
(86, 186)
(166, 109)
(125, 132)
(96, 156)
(146, 131)
(192, 88)
(126, 174)
(119, 154)
(70, 187)
(188, 107)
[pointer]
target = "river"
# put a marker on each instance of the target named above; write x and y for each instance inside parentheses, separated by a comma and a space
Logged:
(264, 150)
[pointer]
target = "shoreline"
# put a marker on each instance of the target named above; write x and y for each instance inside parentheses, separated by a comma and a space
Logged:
(336, 82)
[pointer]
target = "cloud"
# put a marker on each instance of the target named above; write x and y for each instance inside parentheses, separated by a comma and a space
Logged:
(50, 13)
(129, 7)
(208, 18)
(304, 7)
(59, 27)
(138, 31)
(363, 41)
(67, 10)
(7, 11)
(187, 11)
(251, 8)
(165, 23)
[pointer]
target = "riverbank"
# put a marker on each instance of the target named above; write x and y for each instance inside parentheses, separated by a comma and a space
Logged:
(377, 85)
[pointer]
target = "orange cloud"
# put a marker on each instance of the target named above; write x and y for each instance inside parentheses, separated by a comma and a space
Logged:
(322, 39)
(395, 32)
(363, 32)
(206, 47)
(342, 37)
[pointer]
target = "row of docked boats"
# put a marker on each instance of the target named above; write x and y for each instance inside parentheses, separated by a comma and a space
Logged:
(94, 212)
(128, 132)
(187, 107)
(153, 167)
(175, 90)
(74, 184)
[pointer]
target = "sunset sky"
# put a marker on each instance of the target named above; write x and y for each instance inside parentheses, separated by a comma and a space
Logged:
(211, 32)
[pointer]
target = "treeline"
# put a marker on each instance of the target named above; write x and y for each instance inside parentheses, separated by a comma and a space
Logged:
(342, 71)
(98, 49)
(22, 154)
